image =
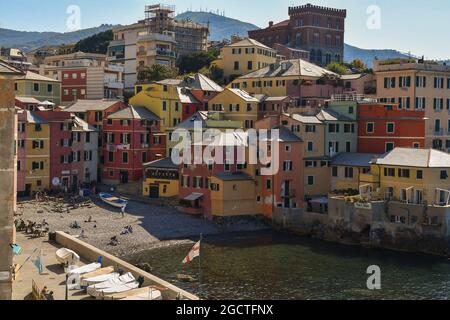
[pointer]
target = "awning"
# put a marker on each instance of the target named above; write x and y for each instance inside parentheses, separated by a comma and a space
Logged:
(193, 196)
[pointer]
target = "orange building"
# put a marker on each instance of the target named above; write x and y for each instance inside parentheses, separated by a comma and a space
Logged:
(383, 127)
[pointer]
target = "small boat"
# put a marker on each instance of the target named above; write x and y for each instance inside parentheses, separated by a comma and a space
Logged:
(113, 201)
(115, 285)
(97, 273)
(99, 279)
(66, 256)
(85, 269)
(147, 293)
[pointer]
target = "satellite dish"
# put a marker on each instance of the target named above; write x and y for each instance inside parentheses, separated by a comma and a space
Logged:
(56, 182)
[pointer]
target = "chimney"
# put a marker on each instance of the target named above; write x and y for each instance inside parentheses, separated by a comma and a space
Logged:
(270, 24)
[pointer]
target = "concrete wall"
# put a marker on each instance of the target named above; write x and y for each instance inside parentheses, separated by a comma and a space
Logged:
(8, 172)
(91, 253)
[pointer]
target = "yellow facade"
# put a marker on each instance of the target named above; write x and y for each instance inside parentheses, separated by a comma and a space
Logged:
(155, 49)
(39, 176)
(238, 106)
(234, 198)
(167, 188)
(243, 57)
(345, 181)
(271, 86)
(161, 99)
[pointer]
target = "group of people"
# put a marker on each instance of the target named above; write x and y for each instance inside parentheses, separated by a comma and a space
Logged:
(127, 230)
(33, 228)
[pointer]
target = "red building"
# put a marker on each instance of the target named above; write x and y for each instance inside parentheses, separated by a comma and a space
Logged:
(383, 127)
(202, 89)
(131, 138)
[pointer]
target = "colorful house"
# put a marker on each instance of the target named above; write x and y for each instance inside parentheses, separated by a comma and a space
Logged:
(238, 106)
(130, 140)
(202, 88)
(209, 120)
(33, 85)
(33, 151)
(417, 176)
(384, 127)
(244, 56)
(161, 179)
(308, 83)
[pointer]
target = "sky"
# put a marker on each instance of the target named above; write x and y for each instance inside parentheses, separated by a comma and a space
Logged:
(416, 26)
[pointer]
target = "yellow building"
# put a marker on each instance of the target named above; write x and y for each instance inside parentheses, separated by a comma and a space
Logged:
(244, 56)
(163, 99)
(347, 170)
(293, 78)
(161, 179)
(418, 176)
(34, 153)
(238, 105)
(233, 194)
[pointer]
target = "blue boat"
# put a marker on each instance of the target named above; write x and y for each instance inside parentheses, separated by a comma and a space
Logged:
(112, 200)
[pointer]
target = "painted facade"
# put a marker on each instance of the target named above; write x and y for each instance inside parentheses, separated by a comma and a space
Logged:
(33, 85)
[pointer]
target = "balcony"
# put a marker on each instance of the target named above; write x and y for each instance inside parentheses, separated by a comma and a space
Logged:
(437, 131)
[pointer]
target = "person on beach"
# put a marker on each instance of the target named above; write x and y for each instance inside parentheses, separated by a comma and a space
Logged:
(123, 211)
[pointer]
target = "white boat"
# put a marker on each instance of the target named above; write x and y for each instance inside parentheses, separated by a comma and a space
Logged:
(85, 269)
(113, 201)
(67, 256)
(146, 294)
(99, 279)
(116, 285)
(97, 273)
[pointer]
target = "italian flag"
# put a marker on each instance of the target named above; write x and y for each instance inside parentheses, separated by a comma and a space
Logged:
(194, 253)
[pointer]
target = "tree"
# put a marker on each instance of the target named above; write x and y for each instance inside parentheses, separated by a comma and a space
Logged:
(98, 43)
(337, 67)
(157, 72)
(358, 64)
(196, 61)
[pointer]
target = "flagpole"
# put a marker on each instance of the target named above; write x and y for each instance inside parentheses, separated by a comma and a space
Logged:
(200, 265)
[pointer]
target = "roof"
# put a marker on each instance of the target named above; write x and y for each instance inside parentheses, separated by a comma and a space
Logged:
(185, 96)
(170, 82)
(284, 135)
(310, 119)
(30, 117)
(330, 115)
(227, 176)
(202, 82)
(248, 42)
(227, 139)
(353, 159)
(133, 112)
(5, 68)
(193, 196)
(91, 105)
(166, 163)
(287, 68)
(243, 95)
(208, 119)
(36, 77)
(28, 100)
(81, 125)
(422, 158)
(353, 76)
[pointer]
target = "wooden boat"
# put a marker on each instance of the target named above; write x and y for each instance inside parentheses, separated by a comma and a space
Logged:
(66, 256)
(86, 282)
(113, 201)
(146, 293)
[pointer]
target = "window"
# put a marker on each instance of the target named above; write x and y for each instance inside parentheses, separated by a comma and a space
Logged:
(370, 127)
(310, 180)
(405, 82)
(310, 128)
(389, 172)
(444, 175)
(438, 82)
(438, 103)
(421, 82)
(111, 156)
(36, 87)
(349, 128)
(268, 184)
(310, 146)
(390, 127)
(389, 146)
(164, 105)
(125, 157)
(404, 102)
(334, 171)
(403, 173)
(349, 173)
(74, 76)
(419, 174)
(420, 103)
(389, 82)
(249, 65)
(49, 88)
(333, 128)
(236, 65)
(348, 146)
(287, 166)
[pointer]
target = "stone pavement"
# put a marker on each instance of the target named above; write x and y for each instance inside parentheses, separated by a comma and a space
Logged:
(53, 276)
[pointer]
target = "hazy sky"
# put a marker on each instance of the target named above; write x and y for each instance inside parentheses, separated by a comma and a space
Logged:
(421, 27)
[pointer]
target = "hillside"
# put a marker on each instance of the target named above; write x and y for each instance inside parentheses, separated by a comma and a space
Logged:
(29, 40)
(368, 55)
(220, 27)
